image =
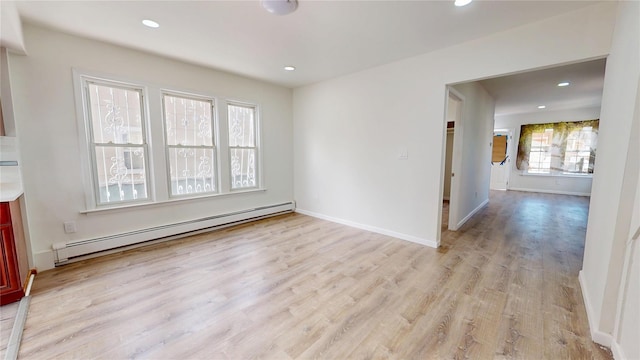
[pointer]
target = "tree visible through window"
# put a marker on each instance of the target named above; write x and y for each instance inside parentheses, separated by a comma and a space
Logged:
(558, 148)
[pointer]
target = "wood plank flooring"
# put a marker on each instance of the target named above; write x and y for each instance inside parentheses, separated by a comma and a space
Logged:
(296, 287)
(7, 318)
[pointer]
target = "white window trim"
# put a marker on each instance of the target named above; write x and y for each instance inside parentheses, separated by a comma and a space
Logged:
(216, 142)
(88, 160)
(157, 170)
(258, 144)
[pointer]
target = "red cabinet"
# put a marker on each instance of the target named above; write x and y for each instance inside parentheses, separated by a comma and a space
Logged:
(10, 279)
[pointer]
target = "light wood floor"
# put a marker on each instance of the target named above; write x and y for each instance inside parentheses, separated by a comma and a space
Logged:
(504, 286)
(7, 318)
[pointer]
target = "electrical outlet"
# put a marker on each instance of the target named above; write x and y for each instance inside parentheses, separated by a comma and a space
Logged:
(69, 227)
(403, 153)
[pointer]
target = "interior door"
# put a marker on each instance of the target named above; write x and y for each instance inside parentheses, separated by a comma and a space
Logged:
(500, 161)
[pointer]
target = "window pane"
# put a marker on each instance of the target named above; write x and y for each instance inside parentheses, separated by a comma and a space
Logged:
(241, 126)
(192, 170)
(540, 156)
(243, 169)
(188, 121)
(578, 151)
(115, 115)
(120, 173)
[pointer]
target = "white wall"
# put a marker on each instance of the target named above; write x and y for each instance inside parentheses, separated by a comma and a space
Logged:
(347, 131)
(615, 178)
(627, 328)
(472, 153)
(45, 114)
(5, 94)
(545, 183)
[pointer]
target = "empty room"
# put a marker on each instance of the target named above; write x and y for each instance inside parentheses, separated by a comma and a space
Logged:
(297, 179)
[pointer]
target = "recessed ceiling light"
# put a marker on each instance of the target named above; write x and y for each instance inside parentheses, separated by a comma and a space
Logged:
(289, 68)
(150, 23)
(542, 106)
(564, 83)
(279, 7)
(462, 2)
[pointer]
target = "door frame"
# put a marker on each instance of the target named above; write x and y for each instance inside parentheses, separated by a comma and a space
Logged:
(458, 129)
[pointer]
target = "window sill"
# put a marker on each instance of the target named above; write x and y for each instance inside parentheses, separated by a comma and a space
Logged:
(169, 201)
(585, 176)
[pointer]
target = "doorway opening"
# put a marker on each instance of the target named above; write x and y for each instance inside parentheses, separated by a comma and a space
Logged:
(453, 118)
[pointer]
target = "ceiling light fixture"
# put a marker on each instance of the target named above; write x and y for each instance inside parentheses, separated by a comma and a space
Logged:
(562, 84)
(289, 68)
(542, 106)
(462, 2)
(150, 23)
(279, 7)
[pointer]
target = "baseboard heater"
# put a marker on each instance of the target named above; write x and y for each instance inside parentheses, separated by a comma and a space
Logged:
(77, 250)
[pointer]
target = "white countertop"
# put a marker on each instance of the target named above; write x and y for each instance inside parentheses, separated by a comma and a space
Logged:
(10, 176)
(10, 183)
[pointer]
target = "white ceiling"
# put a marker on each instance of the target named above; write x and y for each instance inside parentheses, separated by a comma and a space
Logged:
(522, 93)
(323, 39)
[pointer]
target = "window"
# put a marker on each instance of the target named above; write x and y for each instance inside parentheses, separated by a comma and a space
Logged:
(191, 152)
(577, 157)
(565, 148)
(540, 154)
(117, 142)
(242, 146)
(147, 144)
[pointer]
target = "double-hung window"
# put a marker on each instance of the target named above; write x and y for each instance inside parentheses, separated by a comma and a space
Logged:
(243, 147)
(191, 151)
(117, 141)
(540, 154)
(577, 157)
(558, 149)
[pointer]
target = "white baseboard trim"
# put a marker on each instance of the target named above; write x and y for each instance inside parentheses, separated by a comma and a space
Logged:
(374, 229)
(597, 336)
(81, 249)
(473, 212)
(43, 260)
(618, 352)
(551, 191)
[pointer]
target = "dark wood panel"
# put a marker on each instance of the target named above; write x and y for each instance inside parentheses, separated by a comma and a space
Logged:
(499, 150)
(10, 284)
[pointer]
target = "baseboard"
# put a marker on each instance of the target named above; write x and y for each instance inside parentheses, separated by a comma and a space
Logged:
(618, 352)
(557, 192)
(597, 336)
(466, 218)
(44, 260)
(374, 229)
(81, 249)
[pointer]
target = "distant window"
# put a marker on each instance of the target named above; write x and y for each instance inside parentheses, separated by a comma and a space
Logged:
(116, 123)
(191, 151)
(558, 148)
(577, 157)
(243, 149)
(540, 154)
